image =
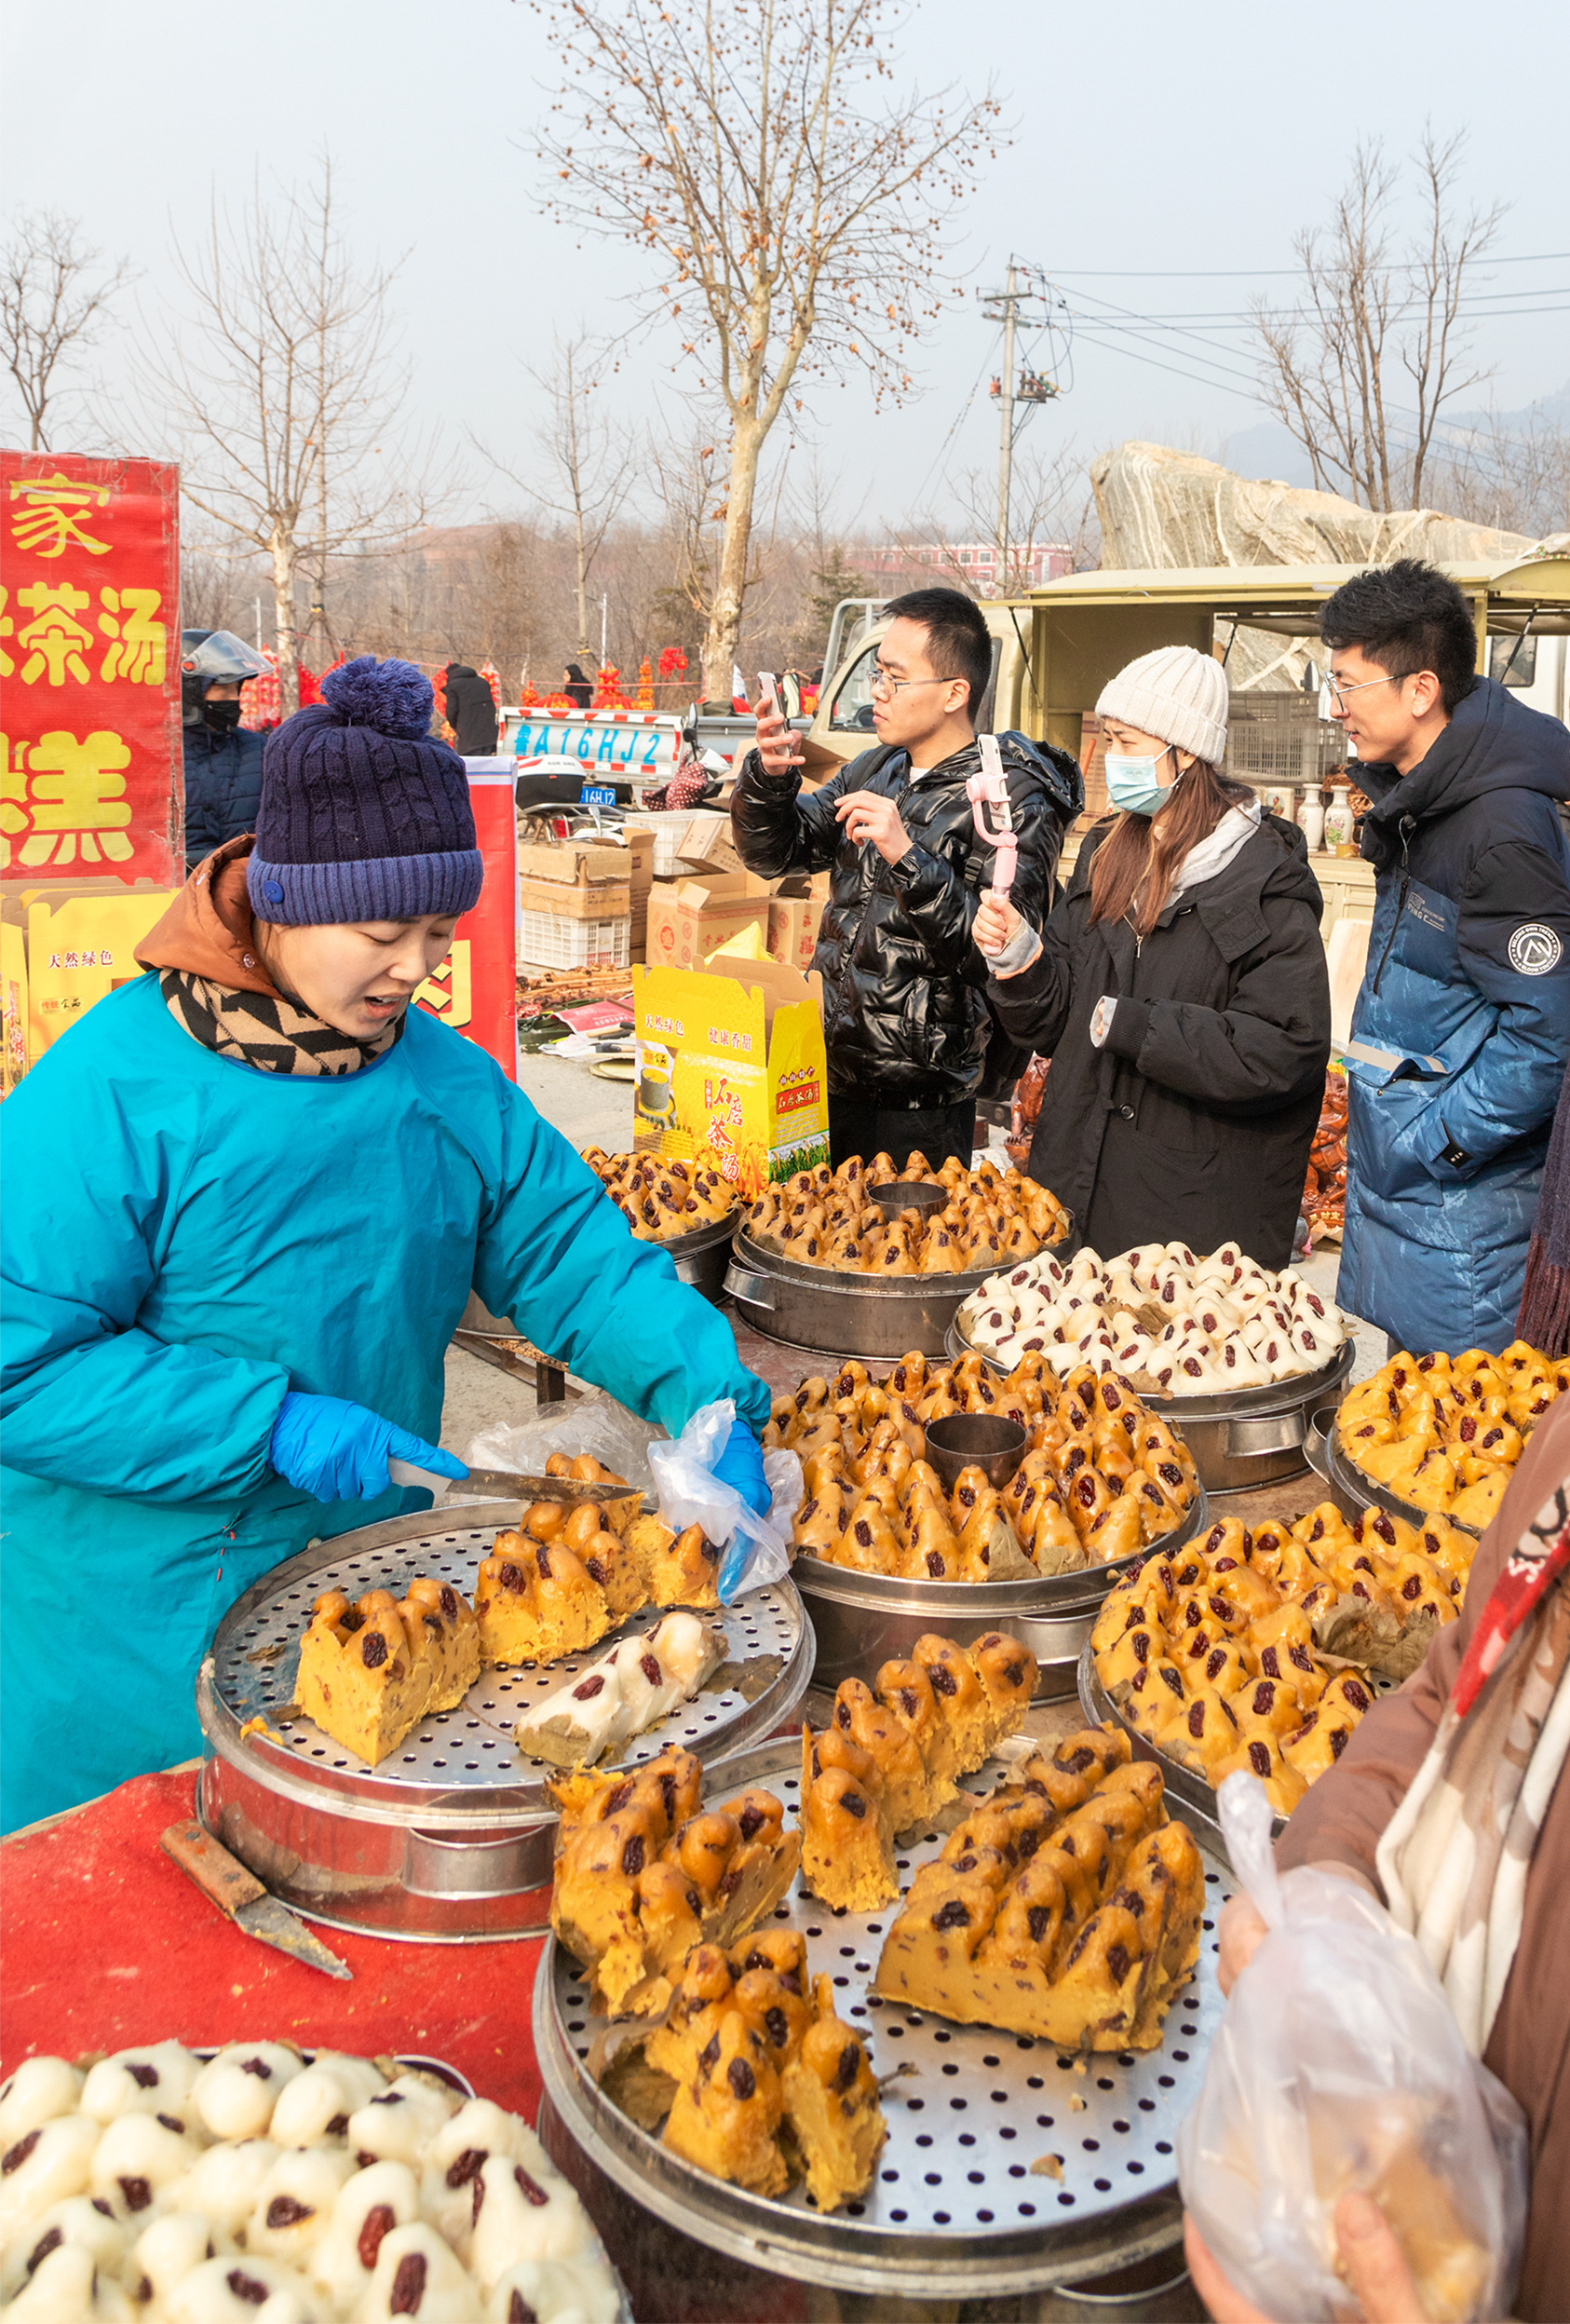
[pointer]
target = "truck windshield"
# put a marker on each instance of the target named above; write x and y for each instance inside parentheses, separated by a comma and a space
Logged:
(852, 710)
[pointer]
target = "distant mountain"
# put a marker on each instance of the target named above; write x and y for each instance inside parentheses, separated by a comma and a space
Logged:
(1267, 452)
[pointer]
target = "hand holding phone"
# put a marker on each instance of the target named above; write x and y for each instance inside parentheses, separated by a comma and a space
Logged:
(776, 742)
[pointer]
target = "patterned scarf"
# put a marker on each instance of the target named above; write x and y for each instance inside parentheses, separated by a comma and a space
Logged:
(264, 1029)
(1455, 1856)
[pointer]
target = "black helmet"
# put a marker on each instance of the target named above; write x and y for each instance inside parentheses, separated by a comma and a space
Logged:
(207, 656)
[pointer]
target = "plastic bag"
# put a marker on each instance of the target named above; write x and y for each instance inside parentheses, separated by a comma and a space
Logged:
(1338, 2065)
(758, 1548)
(594, 1423)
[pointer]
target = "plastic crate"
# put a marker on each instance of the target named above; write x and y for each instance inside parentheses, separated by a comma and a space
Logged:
(545, 941)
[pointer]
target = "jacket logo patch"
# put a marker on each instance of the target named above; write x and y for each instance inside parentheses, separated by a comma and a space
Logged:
(1535, 949)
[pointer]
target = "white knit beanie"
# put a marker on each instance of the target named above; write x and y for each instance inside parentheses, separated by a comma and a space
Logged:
(1175, 693)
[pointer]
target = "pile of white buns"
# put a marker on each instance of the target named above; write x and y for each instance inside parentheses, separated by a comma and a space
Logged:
(1172, 1324)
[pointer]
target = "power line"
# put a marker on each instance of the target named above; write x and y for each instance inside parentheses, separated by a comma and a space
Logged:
(1251, 274)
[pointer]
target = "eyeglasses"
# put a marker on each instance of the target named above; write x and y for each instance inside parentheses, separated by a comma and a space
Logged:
(1338, 692)
(883, 684)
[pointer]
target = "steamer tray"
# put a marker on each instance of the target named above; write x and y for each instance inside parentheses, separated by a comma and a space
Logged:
(864, 1619)
(452, 1836)
(1241, 1438)
(955, 2207)
(1193, 1798)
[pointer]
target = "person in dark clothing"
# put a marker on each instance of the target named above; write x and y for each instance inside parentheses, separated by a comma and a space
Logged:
(576, 686)
(222, 758)
(471, 712)
(1461, 1032)
(1179, 989)
(905, 1016)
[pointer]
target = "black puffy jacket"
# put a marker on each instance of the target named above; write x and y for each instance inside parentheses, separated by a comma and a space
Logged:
(905, 1017)
(1193, 1125)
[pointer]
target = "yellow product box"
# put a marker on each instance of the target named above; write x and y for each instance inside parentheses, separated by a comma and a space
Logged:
(690, 918)
(731, 1057)
(78, 947)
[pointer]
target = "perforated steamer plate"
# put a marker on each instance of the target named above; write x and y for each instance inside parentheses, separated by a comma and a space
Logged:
(450, 1836)
(955, 2204)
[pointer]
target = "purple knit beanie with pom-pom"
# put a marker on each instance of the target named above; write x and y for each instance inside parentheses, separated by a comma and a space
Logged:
(364, 815)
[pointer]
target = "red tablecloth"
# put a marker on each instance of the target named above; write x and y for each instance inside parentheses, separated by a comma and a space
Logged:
(106, 1944)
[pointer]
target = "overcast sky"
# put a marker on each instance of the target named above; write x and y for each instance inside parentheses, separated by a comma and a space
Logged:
(1161, 161)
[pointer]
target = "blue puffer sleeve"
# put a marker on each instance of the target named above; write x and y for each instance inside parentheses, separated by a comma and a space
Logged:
(1516, 910)
(87, 1398)
(556, 1256)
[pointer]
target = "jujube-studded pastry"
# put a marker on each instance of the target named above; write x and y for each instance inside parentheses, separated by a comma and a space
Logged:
(1066, 1906)
(827, 1218)
(644, 1872)
(1445, 1433)
(889, 1759)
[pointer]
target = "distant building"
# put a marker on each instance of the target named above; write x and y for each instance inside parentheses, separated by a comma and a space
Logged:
(1031, 563)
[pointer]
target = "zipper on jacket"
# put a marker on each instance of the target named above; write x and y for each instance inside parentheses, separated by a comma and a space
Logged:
(1406, 827)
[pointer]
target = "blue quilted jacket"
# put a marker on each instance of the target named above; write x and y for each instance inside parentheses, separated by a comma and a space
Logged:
(1462, 1028)
(222, 788)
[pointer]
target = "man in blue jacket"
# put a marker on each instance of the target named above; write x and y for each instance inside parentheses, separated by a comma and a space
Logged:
(1462, 1027)
(246, 1200)
(222, 758)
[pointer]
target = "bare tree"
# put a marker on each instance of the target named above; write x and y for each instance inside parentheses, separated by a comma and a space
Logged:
(1512, 471)
(1361, 370)
(282, 385)
(55, 296)
(591, 457)
(793, 207)
(1052, 501)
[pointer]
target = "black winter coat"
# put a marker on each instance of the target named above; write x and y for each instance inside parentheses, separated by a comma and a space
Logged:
(222, 788)
(1193, 1125)
(471, 712)
(905, 1017)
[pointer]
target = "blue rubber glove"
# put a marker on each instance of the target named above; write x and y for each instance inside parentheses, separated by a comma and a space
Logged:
(338, 1451)
(740, 1465)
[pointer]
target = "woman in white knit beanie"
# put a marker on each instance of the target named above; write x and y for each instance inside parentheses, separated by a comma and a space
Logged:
(1179, 987)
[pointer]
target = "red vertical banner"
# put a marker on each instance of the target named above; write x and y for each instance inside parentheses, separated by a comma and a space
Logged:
(92, 778)
(475, 990)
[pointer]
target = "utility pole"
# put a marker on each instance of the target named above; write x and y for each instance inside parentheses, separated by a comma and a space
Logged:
(1026, 297)
(1006, 451)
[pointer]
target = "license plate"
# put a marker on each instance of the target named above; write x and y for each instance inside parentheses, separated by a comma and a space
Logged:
(597, 795)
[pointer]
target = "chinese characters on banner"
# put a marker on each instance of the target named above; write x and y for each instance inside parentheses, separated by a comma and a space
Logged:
(90, 784)
(475, 990)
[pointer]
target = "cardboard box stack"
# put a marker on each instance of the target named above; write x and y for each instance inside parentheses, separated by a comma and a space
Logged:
(581, 901)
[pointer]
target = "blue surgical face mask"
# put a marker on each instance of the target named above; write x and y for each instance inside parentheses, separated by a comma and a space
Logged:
(1131, 784)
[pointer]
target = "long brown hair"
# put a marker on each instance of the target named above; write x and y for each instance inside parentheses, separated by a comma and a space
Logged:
(1136, 863)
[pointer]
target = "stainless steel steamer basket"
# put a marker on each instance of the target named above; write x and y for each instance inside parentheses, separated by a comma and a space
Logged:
(1349, 1483)
(820, 1310)
(1194, 1798)
(864, 1619)
(449, 1839)
(954, 2208)
(1242, 1437)
(702, 1256)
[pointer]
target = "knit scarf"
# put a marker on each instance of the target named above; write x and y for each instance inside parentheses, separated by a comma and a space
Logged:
(265, 1030)
(1455, 1856)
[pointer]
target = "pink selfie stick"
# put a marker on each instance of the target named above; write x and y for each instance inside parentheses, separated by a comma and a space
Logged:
(988, 794)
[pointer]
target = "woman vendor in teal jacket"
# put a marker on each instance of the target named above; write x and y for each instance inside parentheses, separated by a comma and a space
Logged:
(246, 1200)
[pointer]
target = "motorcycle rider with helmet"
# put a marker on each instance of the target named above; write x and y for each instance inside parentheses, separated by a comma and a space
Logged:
(222, 759)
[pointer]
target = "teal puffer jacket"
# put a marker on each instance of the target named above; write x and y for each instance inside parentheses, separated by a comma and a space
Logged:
(185, 1239)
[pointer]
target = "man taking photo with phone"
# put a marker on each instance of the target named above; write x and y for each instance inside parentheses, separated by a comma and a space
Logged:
(905, 1017)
